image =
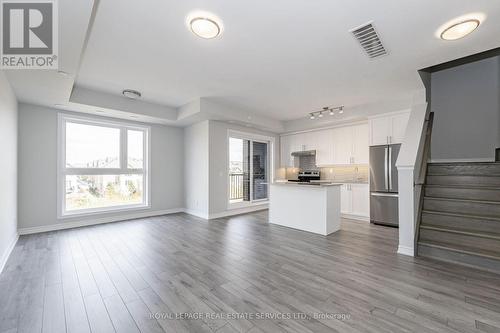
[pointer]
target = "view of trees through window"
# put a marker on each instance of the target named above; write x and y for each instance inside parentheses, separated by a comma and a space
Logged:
(98, 171)
(84, 191)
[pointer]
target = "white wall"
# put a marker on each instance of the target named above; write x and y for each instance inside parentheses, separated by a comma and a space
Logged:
(38, 171)
(196, 169)
(8, 165)
(219, 145)
(466, 106)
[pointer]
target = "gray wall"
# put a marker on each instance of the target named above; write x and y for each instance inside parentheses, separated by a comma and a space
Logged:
(218, 185)
(38, 168)
(466, 103)
(196, 168)
(8, 167)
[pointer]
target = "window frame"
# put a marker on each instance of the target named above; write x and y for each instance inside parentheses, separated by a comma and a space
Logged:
(63, 171)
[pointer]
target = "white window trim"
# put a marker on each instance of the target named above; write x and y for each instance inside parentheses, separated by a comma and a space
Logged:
(258, 138)
(62, 171)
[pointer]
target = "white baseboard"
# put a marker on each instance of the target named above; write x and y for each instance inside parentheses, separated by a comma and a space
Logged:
(356, 217)
(406, 250)
(196, 213)
(8, 251)
(238, 211)
(462, 160)
(94, 221)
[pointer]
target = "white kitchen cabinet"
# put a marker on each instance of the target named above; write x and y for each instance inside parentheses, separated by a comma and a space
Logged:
(360, 150)
(399, 123)
(388, 129)
(355, 200)
(343, 145)
(324, 147)
(337, 146)
(285, 152)
(360, 196)
(345, 199)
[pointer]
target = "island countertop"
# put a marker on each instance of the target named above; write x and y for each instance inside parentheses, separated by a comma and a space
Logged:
(307, 207)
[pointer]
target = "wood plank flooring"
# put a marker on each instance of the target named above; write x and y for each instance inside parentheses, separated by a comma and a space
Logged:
(250, 276)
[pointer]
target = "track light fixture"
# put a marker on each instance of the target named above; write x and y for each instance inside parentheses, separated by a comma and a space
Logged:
(330, 109)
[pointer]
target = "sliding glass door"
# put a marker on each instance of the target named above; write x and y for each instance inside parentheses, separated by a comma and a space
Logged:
(260, 175)
(248, 170)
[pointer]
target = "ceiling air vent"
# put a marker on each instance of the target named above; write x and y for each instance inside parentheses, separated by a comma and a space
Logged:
(370, 41)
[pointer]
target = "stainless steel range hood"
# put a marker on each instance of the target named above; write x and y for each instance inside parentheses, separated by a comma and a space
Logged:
(304, 153)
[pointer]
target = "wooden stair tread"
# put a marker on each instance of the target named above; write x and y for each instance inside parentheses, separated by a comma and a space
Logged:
(463, 186)
(463, 200)
(462, 249)
(471, 216)
(463, 163)
(461, 231)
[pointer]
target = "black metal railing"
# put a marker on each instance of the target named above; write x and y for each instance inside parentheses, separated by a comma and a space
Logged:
(235, 186)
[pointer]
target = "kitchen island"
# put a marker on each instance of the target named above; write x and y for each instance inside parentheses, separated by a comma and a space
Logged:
(308, 207)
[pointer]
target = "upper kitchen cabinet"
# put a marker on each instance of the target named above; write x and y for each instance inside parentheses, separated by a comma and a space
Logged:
(337, 146)
(350, 145)
(324, 147)
(285, 151)
(360, 150)
(388, 128)
(342, 145)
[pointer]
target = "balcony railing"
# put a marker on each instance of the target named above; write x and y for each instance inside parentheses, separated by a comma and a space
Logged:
(235, 186)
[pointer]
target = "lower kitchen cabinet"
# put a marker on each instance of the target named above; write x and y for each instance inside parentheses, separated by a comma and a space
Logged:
(355, 200)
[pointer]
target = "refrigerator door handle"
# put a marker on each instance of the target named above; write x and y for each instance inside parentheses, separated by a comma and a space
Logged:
(390, 195)
(386, 149)
(390, 168)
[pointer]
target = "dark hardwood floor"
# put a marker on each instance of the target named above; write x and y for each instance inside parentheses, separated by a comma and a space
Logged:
(136, 276)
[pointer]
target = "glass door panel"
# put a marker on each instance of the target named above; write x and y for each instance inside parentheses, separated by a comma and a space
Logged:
(239, 170)
(260, 170)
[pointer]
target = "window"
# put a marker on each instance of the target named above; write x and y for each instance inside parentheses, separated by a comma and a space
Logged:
(249, 166)
(103, 166)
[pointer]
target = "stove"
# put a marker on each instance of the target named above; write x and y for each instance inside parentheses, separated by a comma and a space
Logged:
(307, 176)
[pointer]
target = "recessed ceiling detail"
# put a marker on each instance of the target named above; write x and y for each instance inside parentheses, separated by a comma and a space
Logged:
(369, 40)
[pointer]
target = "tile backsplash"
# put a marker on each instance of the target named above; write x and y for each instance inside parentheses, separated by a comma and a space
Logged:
(348, 173)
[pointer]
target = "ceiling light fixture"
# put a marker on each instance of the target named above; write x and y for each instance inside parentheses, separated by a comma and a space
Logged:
(460, 30)
(132, 94)
(329, 109)
(205, 25)
(461, 26)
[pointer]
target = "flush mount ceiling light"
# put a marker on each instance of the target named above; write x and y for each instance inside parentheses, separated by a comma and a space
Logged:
(460, 30)
(460, 27)
(132, 94)
(204, 25)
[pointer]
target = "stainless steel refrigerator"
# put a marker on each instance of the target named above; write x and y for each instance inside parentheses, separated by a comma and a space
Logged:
(384, 185)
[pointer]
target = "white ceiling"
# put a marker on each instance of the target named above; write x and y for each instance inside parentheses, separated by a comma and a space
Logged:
(281, 58)
(278, 59)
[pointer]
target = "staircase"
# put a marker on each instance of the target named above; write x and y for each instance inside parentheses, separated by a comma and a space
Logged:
(460, 220)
